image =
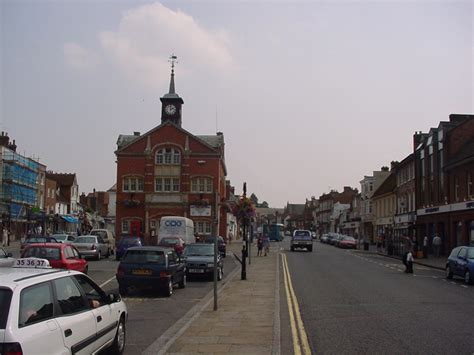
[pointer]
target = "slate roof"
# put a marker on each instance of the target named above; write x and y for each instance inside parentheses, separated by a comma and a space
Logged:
(125, 139)
(214, 141)
(387, 186)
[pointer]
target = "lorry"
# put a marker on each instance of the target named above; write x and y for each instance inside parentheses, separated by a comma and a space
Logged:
(176, 226)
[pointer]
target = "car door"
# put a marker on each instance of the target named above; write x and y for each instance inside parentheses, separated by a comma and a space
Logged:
(104, 248)
(106, 320)
(461, 262)
(34, 323)
(72, 259)
(77, 321)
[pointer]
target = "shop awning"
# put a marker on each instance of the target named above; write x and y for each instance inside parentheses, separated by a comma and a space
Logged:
(70, 219)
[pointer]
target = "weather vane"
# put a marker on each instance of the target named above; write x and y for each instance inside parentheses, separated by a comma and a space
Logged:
(173, 59)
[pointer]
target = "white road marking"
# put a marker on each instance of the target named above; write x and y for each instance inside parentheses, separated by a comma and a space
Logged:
(106, 282)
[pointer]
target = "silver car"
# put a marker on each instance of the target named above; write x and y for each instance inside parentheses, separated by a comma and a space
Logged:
(91, 246)
(6, 258)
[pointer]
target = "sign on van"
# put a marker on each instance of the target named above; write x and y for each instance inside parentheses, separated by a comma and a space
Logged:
(173, 223)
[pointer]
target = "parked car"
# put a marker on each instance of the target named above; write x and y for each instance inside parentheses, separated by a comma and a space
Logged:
(176, 243)
(46, 311)
(59, 255)
(221, 244)
(313, 235)
(6, 259)
(338, 239)
(461, 263)
(347, 243)
(92, 246)
(324, 238)
(151, 267)
(37, 239)
(199, 259)
(301, 239)
(124, 243)
(107, 236)
(63, 238)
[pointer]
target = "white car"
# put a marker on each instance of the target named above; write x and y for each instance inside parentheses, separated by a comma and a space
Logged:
(53, 311)
(6, 259)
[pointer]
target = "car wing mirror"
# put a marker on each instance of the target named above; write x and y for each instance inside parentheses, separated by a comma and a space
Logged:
(10, 255)
(114, 297)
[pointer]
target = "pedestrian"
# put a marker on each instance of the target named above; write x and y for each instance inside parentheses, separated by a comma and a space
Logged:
(437, 245)
(425, 247)
(266, 245)
(259, 246)
(408, 261)
(5, 237)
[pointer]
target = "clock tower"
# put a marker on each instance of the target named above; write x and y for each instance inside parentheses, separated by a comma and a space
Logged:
(171, 102)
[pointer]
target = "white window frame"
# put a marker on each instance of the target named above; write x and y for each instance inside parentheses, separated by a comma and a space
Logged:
(126, 224)
(201, 184)
(133, 181)
(167, 184)
(168, 156)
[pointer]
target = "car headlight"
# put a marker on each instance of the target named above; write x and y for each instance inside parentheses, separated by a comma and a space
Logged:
(210, 264)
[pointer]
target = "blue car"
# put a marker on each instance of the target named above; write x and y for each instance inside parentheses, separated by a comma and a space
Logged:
(153, 268)
(461, 263)
(124, 243)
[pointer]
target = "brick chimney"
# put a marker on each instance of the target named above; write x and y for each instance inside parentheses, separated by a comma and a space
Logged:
(12, 146)
(4, 139)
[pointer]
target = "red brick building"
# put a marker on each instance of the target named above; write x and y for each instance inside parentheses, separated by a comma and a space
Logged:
(168, 171)
(444, 161)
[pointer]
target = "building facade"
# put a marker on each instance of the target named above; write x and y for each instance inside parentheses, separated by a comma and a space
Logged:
(170, 172)
(444, 171)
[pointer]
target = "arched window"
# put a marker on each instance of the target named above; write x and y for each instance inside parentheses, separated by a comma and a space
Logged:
(168, 156)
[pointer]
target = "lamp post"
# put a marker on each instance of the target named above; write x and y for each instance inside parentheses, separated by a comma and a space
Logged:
(243, 275)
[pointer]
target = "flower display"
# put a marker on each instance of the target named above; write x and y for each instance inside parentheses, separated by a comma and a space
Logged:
(244, 210)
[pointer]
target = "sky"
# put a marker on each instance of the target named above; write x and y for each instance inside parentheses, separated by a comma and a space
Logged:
(310, 95)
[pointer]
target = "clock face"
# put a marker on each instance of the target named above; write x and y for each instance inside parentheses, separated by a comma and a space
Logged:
(170, 109)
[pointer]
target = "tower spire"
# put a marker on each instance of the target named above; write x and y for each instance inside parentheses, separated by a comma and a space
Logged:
(173, 59)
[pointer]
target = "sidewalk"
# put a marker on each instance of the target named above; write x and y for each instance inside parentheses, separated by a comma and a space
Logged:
(430, 261)
(244, 321)
(13, 247)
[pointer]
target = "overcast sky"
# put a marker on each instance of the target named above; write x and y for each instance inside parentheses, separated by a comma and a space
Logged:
(310, 95)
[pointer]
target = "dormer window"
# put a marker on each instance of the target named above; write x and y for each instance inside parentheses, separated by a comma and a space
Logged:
(168, 156)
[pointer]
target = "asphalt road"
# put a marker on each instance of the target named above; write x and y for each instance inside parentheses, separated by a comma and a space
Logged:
(151, 314)
(353, 302)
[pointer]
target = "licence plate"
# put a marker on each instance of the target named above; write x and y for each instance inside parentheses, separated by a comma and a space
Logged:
(196, 271)
(141, 272)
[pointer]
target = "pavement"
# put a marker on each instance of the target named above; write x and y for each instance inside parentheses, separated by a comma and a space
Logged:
(430, 261)
(247, 318)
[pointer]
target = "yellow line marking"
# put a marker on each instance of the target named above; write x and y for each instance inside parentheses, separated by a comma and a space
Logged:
(294, 333)
(302, 332)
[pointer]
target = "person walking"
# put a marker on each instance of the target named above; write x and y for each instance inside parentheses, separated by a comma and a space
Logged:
(408, 261)
(259, 246)
(5, 237)
(437, 245)
(266, 245)
(425, 247)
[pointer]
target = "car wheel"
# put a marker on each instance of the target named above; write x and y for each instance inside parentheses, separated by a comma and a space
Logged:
(224, 254)
(108, 253)
(117, 257)
(449, 273)
(292, 249)
(118, 345)
(99, 256)
(169, 288)
(219, 274)
(310, 249)
(467, 277)
(182, 283)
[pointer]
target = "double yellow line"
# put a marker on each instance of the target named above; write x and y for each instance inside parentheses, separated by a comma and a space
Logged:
(300, 339)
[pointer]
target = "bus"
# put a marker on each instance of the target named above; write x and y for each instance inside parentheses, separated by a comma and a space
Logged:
(274, 231)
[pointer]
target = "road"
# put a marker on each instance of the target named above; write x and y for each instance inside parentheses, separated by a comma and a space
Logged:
(354, 302)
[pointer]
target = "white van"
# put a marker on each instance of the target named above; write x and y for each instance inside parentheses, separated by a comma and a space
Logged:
(176, 226)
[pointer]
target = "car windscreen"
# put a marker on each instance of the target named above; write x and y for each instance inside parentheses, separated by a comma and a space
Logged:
(43, 253)
(36, 240)
(470, 253)
(199, 250)
(5, 298)
(145, 256)
(59, 237)
(169, 241)
(129, 241)
(85, 240)
(99, 234)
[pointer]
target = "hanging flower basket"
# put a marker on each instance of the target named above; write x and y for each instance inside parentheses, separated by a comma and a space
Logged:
(244, 210)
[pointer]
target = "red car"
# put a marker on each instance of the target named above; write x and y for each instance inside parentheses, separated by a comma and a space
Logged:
(347, 242)
(60, 256)
(173, 242)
